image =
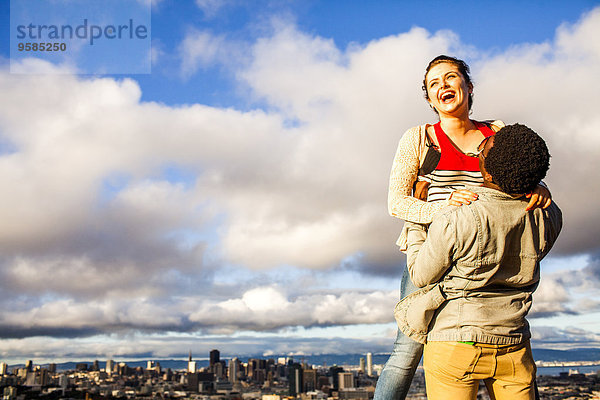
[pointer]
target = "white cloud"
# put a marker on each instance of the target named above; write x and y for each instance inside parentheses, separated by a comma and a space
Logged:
(211, 8)
(44, 349)
(264, 299)
(266, 308)
(550, 298)
(257, 309)
(157, 52)
(201, 49)
(567, 337)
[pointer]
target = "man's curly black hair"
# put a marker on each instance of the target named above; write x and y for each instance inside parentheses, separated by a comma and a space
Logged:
(518, 160)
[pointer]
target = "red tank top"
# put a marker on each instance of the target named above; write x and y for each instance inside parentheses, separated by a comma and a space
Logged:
(451, 158)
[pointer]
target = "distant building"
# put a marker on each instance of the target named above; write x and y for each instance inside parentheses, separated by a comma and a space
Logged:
(334, 371)
(295, 376)
(168, 375)
(234, 368)
(43, 378)
(3, 368)
(30, 380)
(370, 364)
(219, 369)
(346, 380)
(63, 381)
(192, 367)
(214, 357)
(123, 369)
(109, 367)
(200, 382)
(316, 395)
(356, 394)
(282, 360)
(191, 364)
(52, 368)
(271, 397)
(10, 393)
(81, 367)
(257, 370)
(29, 365)
(309, 378)
(324, 382)
(361, 367)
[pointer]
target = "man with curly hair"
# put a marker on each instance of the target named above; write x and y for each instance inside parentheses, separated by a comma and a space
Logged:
(517, 157)
(478, 266)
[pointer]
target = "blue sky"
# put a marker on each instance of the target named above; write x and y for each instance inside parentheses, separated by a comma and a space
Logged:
(490, 27)
(235, 198)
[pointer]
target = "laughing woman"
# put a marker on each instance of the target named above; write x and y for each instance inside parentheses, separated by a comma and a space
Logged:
(432, 164)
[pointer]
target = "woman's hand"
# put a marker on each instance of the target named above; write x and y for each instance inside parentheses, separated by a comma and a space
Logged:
(462, 196)
(540, 197)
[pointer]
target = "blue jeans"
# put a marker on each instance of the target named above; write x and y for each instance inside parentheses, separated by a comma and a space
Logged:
(398, 372)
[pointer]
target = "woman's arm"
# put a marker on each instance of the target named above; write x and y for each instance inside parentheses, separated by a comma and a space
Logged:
(404, 173)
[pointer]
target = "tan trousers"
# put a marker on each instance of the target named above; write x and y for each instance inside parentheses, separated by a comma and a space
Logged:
(453, 370)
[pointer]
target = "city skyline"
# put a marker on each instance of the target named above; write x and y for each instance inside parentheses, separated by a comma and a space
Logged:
(235, 198)
(266, 379)
(256, 378)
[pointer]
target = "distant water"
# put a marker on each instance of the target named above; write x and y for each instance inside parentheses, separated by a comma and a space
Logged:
(555, 371)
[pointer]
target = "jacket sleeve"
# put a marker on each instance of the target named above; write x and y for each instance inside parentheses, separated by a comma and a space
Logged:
(404, 173)
(431, 252)
(552, 226)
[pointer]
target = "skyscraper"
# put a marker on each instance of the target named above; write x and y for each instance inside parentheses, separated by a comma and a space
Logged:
(370, 364)
(295, 379)
(346, 380)
(63, 380)
(309, 378)
(214, 357)
(361, 368)
(335, 372)
(234, 367)
(3, 368)
(191, 364)
(43, 377)
(110, 368)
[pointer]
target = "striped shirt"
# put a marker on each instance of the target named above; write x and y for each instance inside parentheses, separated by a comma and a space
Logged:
(454, 169)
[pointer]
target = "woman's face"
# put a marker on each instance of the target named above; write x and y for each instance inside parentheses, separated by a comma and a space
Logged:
(448, 90)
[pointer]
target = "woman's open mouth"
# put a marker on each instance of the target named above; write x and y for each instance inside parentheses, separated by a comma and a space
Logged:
(448, 97)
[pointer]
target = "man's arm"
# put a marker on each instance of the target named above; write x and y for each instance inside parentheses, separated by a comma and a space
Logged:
(553, 226)
(430, 252)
